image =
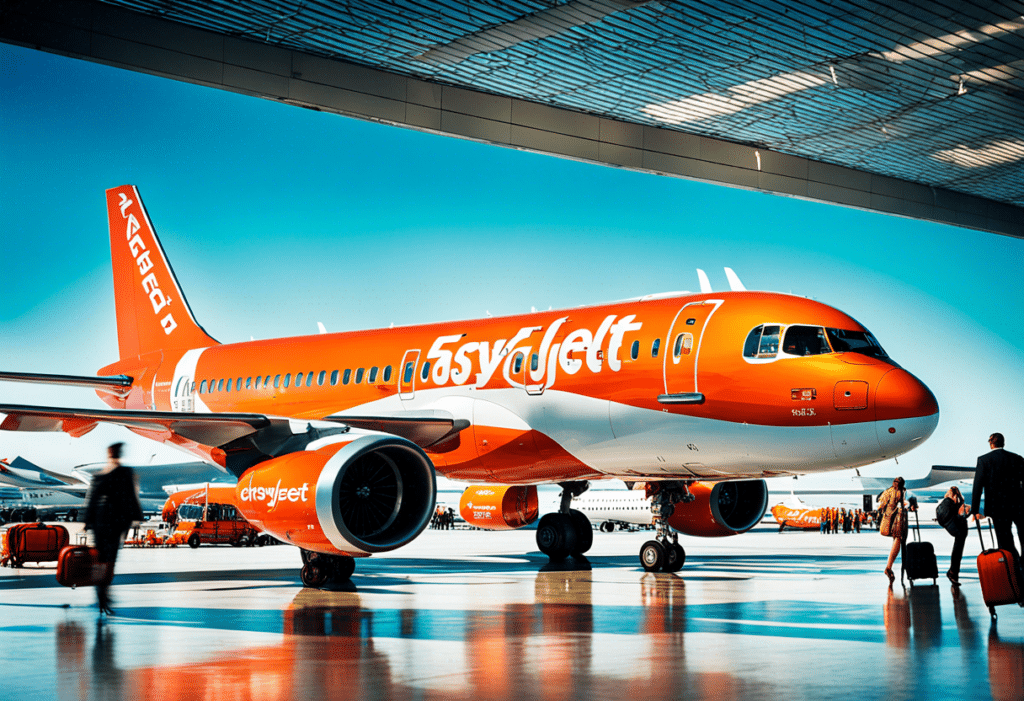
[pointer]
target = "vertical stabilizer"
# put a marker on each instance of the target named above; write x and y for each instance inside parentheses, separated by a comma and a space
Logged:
(152, 313)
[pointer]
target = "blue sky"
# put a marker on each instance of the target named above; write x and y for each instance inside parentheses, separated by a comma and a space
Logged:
(275, 218)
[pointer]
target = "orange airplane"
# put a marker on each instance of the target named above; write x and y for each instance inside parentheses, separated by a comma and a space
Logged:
(335, 438)
(793, 513)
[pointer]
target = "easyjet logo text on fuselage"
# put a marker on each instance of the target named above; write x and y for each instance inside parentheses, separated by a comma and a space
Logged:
(140, 253)
(481, 359)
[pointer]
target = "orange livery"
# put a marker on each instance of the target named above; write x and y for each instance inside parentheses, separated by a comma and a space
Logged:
(335, 438)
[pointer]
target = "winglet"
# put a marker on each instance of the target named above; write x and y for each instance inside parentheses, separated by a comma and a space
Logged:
(705, 284)
(734, 281)
(152, 313)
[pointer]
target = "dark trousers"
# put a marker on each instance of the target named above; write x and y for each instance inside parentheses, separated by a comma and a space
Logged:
(107, 544)
(1004, 534)
(958, 529)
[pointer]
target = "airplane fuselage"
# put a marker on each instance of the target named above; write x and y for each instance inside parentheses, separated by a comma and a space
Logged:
(662, 387)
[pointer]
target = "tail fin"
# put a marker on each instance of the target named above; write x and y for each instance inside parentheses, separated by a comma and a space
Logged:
(152, 313)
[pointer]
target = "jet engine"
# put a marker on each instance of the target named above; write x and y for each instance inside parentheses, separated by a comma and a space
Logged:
(721, 508)
(362, 495)
(499, 508)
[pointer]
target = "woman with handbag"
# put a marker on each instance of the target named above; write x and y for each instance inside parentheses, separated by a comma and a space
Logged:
(894, 521)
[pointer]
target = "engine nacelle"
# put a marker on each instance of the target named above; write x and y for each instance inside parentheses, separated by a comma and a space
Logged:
(362, 495)
(499, 508)
(721, 508)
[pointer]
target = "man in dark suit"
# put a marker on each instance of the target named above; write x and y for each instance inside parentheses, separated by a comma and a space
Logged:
(1000, 474)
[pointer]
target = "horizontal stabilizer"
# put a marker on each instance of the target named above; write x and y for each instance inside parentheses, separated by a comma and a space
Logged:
(118, 385)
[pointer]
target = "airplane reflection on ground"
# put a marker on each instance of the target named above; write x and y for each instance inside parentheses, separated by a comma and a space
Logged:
(553, 648)
(739, 624)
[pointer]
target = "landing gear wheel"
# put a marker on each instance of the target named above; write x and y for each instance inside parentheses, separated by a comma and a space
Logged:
(675, 556)
(343, 568)
(237, 542)
(652, 556)
(194, 541)
(584, 532)
(307, 556)
(556, 535)
(313, 575)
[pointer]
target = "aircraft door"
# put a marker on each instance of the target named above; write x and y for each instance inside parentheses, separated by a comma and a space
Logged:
(682, 346)
(407, 374)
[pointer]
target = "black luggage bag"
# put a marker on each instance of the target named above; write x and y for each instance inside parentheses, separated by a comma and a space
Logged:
(919, 558)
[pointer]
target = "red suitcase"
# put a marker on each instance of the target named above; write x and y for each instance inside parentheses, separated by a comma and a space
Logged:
(997, 570)
(79, 566)
(34, 542)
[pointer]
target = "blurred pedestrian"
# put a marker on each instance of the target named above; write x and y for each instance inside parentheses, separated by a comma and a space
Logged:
(112, 505)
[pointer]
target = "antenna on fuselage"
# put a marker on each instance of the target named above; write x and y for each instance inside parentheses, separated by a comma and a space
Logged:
(705, 284)
(320, 325)
(734, 281)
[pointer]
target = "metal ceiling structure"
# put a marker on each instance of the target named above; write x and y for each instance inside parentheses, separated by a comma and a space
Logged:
(910, 108)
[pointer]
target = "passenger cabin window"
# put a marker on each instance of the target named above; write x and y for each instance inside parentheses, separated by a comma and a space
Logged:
(248, 383)
(517, 364)
(334, 377)
(320, 378)
(227, 385)
(534, 361)
(387, 374)
(359, 376)
(277, 381)
(287, 380)
(309, 379)
(238, 385)
(177, 386)
(347, 377)
(202, 387)
(373, 375)
(407, 374)
(654, 347)
(805, 340)
(634, 350)
(425, 372)
(220, 385)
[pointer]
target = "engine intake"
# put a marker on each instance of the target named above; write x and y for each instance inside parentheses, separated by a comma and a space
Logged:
(721, 508)
(363, 495)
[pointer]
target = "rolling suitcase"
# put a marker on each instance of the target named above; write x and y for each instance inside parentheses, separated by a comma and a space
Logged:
(919, 558)
(34, 542)
(997, 570)
(79, 566)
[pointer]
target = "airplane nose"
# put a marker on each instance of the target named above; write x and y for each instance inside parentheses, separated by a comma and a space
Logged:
(900, 395)
(906, 412)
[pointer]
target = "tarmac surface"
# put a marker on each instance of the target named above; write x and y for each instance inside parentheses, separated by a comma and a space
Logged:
(477, 615)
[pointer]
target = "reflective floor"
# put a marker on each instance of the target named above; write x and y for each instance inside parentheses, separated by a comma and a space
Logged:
(764, 615)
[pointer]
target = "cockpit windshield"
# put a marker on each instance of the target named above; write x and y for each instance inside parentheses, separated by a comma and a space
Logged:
(855, 342)
(805, 340)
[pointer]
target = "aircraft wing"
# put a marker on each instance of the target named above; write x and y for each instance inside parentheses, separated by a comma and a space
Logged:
(426, 428)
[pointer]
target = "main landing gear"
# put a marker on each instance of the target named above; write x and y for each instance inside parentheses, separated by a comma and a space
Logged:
(664, 554)
(319, 570)
(567, 531)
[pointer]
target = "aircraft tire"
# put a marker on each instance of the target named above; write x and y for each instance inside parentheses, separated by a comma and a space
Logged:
(556, 535)
(343, 567)
(675, 556)
(652, 556)
(194, 541)
(584, 532)
(313, 575)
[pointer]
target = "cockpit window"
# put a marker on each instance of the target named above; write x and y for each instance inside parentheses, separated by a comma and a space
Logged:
(763, 341)
(855, 342)
(805, 340)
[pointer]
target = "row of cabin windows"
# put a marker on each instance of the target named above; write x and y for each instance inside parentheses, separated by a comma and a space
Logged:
(682, 346)
(301, 379)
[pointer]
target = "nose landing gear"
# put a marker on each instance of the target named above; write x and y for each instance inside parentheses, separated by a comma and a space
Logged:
(665, 554)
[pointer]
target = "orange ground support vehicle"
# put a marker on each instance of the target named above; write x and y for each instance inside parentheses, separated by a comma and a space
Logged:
(200, 521)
